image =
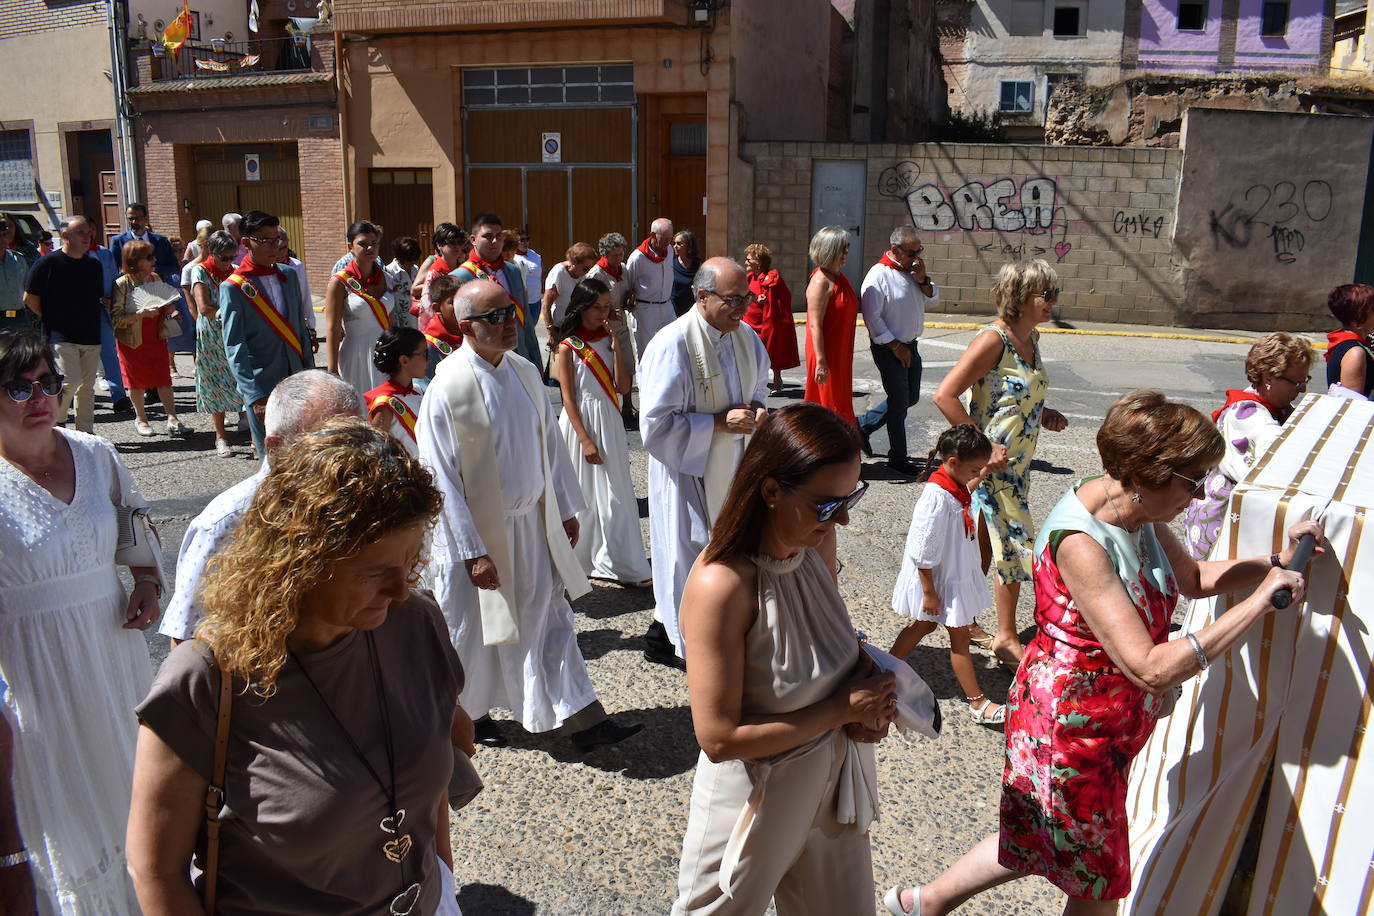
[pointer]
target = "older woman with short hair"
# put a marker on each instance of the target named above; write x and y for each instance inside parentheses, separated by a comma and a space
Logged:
(832, 313)
(144, 360)
(1006, 381)
(344, 702)
(770, 315)
(1101, 669)
(1277, 368)
(216, 388)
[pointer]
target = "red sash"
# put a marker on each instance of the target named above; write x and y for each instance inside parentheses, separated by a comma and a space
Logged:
(942, 480)
(472, 265)
(646, 248)
(439, 337)
(349, 275)
(593, 361)
(1236, 396)
(388, 395)
(269, 314)
(1341, 336)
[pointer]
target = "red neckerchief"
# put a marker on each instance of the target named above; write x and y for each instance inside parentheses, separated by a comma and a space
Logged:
(388, 387)
(887, 261)
(378, 277)
(214, 272)
(491, 267)
(1234, 396)
(1340, 337)
(439, 265)
(588, 336)
(247, 268)
(646, 248)
(616, 273)
(438, 331)
(942, 480)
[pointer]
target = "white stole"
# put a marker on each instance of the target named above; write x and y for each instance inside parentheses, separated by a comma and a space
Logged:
(713, 396)
(482, 487)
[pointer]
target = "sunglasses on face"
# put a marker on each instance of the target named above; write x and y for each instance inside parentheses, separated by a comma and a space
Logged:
(495, 316)
(1051, 294)
(21, 389)
(826, 511)
(913, 254)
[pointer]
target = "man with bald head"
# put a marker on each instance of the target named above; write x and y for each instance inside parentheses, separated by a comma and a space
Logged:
(702, 389)
(502, 552)
(649, 276)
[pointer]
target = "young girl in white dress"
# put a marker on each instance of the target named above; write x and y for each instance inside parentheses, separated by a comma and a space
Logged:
(942, 580)
(593, 376)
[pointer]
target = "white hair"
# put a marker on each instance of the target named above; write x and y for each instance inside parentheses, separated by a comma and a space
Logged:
(303, 401)
(661, 223)
(231, 220)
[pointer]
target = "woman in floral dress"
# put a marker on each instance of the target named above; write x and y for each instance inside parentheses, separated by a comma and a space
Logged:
(1100, 671)
(1006, 379)
(216, 389)
(1277, 368)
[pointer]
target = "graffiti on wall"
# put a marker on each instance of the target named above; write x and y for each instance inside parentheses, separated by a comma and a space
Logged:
(1265, 216)
(1004, 205)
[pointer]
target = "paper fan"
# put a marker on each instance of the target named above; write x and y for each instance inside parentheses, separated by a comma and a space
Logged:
(150, 297)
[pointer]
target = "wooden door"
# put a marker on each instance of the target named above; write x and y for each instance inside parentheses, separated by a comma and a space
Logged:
(401, 201)
(109, 205)
(683, 190)
(221, 186)
(546, 199)
(495, 190)
(602, 202)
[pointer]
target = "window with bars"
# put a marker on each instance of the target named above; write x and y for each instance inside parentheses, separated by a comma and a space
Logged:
(16, 167)
(590, 84)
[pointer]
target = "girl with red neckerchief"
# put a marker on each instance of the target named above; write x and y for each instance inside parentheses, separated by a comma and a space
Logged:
(942, 581)
(358, 307)
(403, 354)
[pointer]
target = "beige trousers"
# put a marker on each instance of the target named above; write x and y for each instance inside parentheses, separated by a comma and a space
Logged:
(796, 853)
(78, 364)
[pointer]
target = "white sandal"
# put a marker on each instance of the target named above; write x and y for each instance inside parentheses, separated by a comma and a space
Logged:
(893, 901)
(989, 713)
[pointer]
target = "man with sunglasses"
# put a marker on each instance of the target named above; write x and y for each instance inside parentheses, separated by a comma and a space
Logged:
(702, 389)
(893, 299)
(502, 553)
(266, 333)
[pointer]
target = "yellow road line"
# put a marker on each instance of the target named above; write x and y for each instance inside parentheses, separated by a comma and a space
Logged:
(1086, 332)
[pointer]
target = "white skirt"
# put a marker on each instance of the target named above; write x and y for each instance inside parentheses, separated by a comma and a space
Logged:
(961, 599)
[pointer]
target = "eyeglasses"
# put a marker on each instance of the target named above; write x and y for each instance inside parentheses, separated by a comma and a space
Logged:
(1051, 294)
(736, 301)
(1299, 384)
(913, 254)
(272, 241)
(826, 511)
(1195, 485)
(495, 316)
(21, 389)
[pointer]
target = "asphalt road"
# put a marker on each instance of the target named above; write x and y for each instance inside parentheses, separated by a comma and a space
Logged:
(557, 834)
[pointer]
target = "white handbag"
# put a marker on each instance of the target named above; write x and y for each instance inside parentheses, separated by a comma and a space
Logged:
(917, 710)
(137, 543)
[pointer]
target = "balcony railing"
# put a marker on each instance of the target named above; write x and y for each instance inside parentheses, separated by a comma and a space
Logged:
(235, 58)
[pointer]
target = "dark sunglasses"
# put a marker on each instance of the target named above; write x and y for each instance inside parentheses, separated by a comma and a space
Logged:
(826, 511)
(21, 389)
(1051, 294)
(495, 316)
(913, 254)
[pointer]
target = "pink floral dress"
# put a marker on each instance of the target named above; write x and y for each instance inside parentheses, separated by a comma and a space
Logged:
(1074, 721)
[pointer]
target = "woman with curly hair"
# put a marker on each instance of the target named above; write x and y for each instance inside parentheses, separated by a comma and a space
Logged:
(344, 702)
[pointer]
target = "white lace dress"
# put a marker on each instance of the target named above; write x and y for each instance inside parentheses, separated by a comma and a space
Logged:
(75, 676)
(361, 331)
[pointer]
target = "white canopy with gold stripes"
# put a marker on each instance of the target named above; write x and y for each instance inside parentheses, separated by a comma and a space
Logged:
(1297, 690)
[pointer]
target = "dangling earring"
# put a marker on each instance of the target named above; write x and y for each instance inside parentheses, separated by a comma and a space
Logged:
(1135, 497)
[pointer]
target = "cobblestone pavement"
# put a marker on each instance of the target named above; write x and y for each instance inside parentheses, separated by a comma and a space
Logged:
(557, 834)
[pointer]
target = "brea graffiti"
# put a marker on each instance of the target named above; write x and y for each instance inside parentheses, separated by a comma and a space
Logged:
(974, 206)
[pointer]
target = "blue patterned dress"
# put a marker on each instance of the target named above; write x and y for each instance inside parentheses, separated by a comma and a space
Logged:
(216, 389)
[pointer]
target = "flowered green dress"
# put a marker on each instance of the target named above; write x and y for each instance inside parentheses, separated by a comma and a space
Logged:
(1074, 720)
(216, 389)
(1006, 405)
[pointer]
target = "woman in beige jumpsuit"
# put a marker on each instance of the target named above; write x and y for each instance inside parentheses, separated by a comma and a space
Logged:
(785, 706)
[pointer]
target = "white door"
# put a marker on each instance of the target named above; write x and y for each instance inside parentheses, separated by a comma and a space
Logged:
(837, 199)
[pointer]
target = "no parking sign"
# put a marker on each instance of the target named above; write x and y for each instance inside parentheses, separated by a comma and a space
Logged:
(552, 147)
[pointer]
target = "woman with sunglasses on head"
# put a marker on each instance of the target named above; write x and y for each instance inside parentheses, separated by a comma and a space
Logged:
(1101, 669)
(1003, 372)
(1277, 368)
(785, 704)
(70, 646)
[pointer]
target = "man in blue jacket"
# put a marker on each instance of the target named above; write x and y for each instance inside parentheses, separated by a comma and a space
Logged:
(165, 260)
(266, 335)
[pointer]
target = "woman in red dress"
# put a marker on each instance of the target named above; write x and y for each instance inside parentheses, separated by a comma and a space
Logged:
(143, 354)
(832, 311)
(771, 312)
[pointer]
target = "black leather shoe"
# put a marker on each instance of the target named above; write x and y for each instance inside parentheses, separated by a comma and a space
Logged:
(631, 418)
(603, 734)
(905, 466)
(487, 734)
(123, 405)
(864, 443)
(658, 648)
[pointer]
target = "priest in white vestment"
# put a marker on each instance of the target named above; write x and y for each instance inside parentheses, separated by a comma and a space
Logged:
(702, 389)
(649, 275)
(502, 549)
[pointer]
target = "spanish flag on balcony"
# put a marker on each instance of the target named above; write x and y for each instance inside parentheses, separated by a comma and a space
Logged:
(177, 31)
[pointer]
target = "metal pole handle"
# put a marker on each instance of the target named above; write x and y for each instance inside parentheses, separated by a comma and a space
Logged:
(1301, 554)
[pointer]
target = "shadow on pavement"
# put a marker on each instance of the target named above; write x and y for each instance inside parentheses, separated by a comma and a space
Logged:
(1045, 467)
(598, 643)
(878, 470)
(492, 898)
(606, 601)
(666, 747)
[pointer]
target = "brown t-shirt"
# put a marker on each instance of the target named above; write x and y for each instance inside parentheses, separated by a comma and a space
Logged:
(301, 830)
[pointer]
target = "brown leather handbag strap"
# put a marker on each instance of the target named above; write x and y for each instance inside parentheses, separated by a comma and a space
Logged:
(214, 792)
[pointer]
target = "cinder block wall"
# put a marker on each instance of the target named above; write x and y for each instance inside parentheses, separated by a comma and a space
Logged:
(1103, 217)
